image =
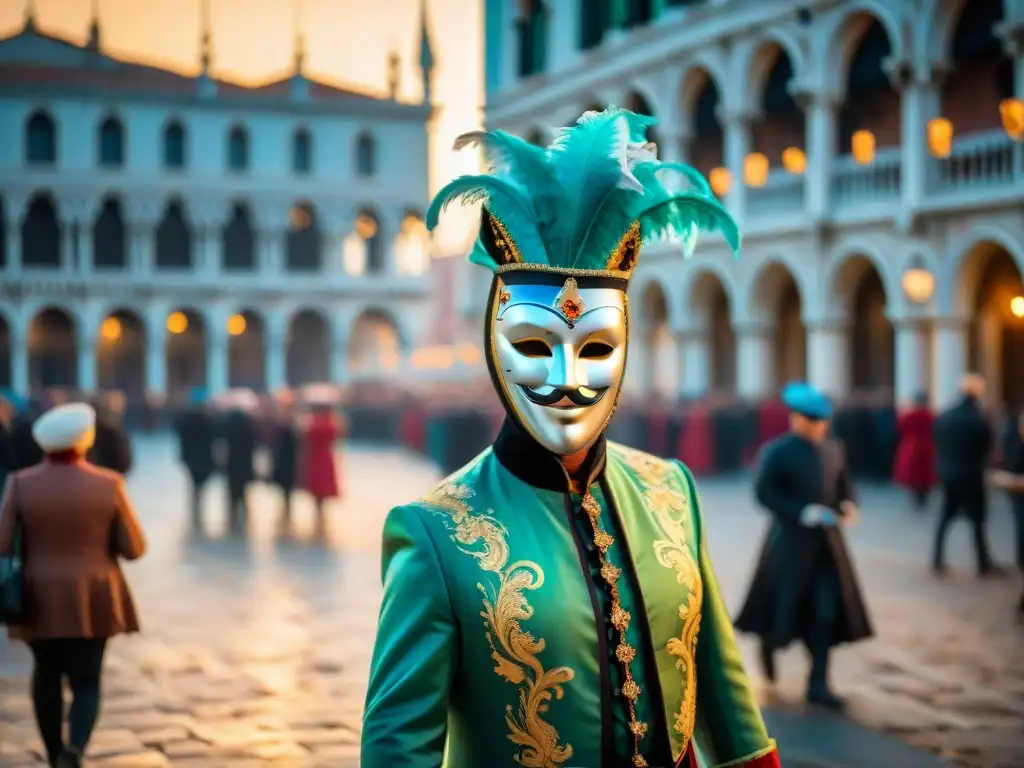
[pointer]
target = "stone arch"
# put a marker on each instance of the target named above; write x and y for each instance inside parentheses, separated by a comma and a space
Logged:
(701, 103)
(711, 299)
(41, 138)
(238, 239)
(185, 350)
(121, 353)
(41, 233)
(934, 35)
(174, 237)
(860, 294)
(754, 62)
(990, 278)
(304, 249)
(376, 343)
(110, 142)
(959, 282)
(366, 154)
(6, 347)
(981, 73)
(110, 235)
(247, 350)
(308, 347)
(777, 304)
(654, 341)
(840, 36)
(53, 348)
(781, 123)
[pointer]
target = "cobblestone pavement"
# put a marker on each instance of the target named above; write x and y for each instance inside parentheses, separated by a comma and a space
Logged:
(256, 653)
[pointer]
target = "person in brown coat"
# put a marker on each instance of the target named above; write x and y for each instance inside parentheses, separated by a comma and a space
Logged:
(76, 520)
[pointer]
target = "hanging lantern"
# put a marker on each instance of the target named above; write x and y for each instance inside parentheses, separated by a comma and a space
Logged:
(918, 282)
(720, 180)
(1017, 306)
(236, 325)
(940, 137)
(111, 329)
(862, 145)
(755, 170)
(177, 322)
(1012, 113)
(794, 160)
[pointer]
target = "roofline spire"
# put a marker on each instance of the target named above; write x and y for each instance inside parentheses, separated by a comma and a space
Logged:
(300, 40)
(94, 27)
(426, 47)
(205, 56)
(30, 16)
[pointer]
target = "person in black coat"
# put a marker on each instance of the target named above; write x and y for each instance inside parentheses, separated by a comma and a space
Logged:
(963, 444)
(284, 451)
(238, 433)
(112, 448)
(24, 451)
(196, 437)
(1012, 480)
(805, 585)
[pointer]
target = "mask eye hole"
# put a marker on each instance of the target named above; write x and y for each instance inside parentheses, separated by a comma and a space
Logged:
(532, 348)
(596, 350)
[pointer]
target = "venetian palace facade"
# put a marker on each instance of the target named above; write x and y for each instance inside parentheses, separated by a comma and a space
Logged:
(871, 151)
(161, 232)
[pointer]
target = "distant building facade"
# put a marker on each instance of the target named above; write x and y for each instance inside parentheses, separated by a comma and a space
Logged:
(162, 232)
(872, 152)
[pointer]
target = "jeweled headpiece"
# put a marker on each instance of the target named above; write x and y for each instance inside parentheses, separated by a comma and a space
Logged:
(584, 205)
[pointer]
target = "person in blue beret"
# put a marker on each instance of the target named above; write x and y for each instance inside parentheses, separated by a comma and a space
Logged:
(805, 586)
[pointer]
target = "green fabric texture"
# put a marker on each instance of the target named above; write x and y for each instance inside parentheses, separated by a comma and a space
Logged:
(567, 206)
(487, 645)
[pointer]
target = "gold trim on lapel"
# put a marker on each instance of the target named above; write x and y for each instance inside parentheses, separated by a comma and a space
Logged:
(513, 649)
(670, 508)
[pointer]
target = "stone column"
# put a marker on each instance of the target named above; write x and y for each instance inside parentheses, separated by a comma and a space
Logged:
(84, 248)
(949, 358)
(737, 147)
(339, 359)
(919, 103)
(696, 359)
(821, 110)
(12, 243)
(67, 247)
(142, 247)
(211, 251)
(19, 364)
(217, 359)
(672, 145)
(277, 366)
(156, 357)
(828, 357)
(911, 373)
(87, 373)
(754, 361)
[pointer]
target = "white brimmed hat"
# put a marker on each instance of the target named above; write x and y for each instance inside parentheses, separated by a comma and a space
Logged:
(63, 427)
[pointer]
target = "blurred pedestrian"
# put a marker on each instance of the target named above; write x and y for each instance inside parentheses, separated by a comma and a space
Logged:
(284, 451)
(1012, 480)
(112, 449)
(805, 585)
(24, 451)
(9, 408)
(238, 431)
(963, 442)
(319, 470)
(196, 437)
(75, 520)
(915, 454)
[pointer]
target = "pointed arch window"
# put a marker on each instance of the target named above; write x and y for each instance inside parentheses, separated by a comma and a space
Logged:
(111, 139)
(174, 146)
(238, 149)
(40, 139)
(366, 155)
(595, 18)
(302, 152)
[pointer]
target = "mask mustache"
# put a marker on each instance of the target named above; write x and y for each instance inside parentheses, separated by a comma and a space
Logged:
(575, 396)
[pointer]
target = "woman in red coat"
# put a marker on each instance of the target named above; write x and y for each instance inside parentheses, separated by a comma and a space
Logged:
(915, 466)
(319, 471)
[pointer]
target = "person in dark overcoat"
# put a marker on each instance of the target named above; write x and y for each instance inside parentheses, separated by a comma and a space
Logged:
(112, 449)
(238, 432)
(915, 468)
(10, 406)
(196, 437)
(963, 444)
(1011, 479)
(805, 585)
(285, 452)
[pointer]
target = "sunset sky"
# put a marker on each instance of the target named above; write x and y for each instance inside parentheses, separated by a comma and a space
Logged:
(347, 42)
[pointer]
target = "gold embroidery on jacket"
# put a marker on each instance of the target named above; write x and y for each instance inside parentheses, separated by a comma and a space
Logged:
(513, 649)
(670, 508)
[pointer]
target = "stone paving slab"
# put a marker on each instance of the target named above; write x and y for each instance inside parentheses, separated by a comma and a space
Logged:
(256, 652)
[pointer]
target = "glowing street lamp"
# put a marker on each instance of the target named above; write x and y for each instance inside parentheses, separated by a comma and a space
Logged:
(862, 145)
(918, 282)
(236, 325)
(755, 169)
(720, 180)
(1017, 306)
(177, 322)
(940, 137)
(111, 330)
(794, 160)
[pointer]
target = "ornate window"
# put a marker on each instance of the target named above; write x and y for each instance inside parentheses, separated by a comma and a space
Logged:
(302, 151)
(111, 138)
(366, 155)
(532, 30)
(40, 139)
(174, 146)
(238, 149)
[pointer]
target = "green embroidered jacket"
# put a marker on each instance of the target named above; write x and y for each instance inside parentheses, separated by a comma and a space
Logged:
(524, 624)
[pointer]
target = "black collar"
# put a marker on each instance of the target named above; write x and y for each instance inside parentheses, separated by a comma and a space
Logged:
(525, 458)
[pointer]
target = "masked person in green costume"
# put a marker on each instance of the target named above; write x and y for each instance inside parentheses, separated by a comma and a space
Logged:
(552, 602)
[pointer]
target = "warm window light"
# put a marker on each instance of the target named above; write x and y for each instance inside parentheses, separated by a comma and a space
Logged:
(794, 160)
(1017, 306)
(236, 325)
(940, 137)
(862, 145)
(720, 180)
(755, 170)
(177, 322)
(366, 226)
(111, 329)
(1012, 113)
